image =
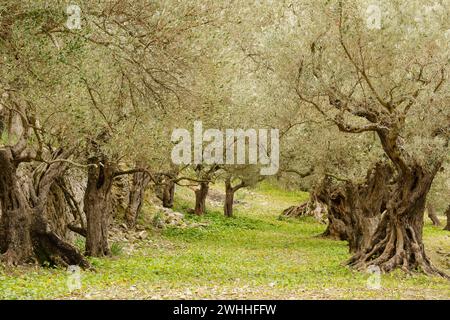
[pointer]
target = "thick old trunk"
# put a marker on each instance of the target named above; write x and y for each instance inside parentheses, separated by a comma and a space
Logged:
(15, 224)
(136, 198)
(397, 241)
(49, 246)
(25, 233)
(97, 207)
(354, 210)
(432, 215)
(58, 211)
(447, 213)
(200, 198)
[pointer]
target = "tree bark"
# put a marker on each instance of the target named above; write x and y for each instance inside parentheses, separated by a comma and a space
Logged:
(313, 207)
(447, 213)
(200, 198)
(15, 223)
(229, 196)
(136, 197)
(397, 241)
(25, 234)
(229, 199)
(354, 210)
(432, 215)
(97, 208)
(168, 192)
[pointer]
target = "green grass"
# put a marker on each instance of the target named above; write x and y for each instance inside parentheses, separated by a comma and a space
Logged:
(253, 255)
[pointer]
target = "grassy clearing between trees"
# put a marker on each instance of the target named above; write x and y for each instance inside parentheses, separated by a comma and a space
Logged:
(251, 256)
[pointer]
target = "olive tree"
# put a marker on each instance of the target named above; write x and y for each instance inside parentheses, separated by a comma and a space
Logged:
(391, 81)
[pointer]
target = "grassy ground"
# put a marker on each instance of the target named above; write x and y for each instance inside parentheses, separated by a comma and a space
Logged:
(252, 256)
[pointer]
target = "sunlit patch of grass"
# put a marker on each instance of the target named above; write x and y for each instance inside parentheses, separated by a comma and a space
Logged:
(272, 190)
(80, 243)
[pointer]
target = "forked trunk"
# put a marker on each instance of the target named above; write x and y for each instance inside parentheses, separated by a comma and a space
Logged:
(397, 241)
(200, 198)
(229, 195)
(97, 208)
(136, 197)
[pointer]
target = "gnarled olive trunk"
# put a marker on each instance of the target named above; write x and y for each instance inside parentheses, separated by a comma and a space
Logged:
(397, 241)
(136, 197)
(15, 224)
(49, 246)
(313, 207)
(200, 198)
(97, 207)
(354, 210)
(25, 233)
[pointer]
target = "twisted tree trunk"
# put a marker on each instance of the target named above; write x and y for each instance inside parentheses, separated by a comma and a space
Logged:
(229, 199)
(313, 207)
(15, 224)
(354, 210)
(229, 196)
(25, 233)
(397, 241)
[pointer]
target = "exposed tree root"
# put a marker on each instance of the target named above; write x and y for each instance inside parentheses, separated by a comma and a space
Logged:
(395, 246)
(312, 208)
(60, 252)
